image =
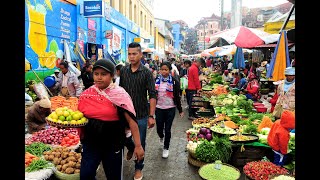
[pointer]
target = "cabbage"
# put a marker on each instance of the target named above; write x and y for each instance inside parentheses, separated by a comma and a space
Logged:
(263, 139)
(265, 131)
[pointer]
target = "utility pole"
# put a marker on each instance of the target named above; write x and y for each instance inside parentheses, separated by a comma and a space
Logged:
(204, 35)
(221, 22)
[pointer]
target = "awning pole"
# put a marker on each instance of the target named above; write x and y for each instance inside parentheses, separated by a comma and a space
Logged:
(287, 20)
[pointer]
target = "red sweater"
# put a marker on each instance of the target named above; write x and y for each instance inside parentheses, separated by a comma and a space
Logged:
(193, 78)
(273, 101)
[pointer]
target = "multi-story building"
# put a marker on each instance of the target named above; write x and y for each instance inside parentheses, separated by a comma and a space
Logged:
(179, 28)
(141, 13)
(163, 38)
(205, 28)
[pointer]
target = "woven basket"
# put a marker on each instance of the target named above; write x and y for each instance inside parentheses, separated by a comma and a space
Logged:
(192, 154)
(63, 176)
(195, 162)
(271, 177)
(55, 124)
(236, 169)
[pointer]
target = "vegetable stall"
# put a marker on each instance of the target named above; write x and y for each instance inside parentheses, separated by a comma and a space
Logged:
(230, 129)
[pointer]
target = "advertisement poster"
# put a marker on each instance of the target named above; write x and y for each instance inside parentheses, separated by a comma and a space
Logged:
(114, 44)
(91, 24)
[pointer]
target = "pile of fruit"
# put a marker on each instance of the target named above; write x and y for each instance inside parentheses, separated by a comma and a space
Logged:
(67, 116)
(261, 170)
(60, 101)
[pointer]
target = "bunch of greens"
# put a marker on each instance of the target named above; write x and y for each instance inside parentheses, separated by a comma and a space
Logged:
(216, 78)
(217, 149)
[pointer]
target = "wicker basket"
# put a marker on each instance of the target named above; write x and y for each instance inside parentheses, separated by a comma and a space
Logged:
(271, 177)
(195, 162)
(55, 124)
(63, 176)
(236, 169)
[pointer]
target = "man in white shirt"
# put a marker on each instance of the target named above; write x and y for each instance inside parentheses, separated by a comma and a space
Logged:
(230, 65)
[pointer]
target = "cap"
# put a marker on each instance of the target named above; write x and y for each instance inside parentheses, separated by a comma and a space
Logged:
(105, 64)
(119, 64)
(56, 71)
(45, 103)
(290, 71)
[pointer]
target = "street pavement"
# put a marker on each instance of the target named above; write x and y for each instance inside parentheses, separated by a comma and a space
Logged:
(176, 167)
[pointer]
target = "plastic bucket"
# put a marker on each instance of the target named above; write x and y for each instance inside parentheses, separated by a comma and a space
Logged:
(49, 81)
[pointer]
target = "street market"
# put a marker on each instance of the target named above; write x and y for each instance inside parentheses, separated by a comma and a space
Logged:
(107, 99)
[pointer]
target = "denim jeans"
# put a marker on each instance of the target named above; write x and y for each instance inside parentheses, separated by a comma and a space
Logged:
(164, 119)
(111, 161)
(189, 99)
(143, 124)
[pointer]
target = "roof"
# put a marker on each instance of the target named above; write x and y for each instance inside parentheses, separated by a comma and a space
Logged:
(271, 45)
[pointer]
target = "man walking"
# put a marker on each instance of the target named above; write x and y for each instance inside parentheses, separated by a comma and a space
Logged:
(138, 81)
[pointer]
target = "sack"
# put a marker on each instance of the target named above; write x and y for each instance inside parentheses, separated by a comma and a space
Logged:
(277, 111)
(183, 83)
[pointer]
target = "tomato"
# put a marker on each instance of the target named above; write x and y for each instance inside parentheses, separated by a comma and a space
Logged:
(66, 138)
(71, 136)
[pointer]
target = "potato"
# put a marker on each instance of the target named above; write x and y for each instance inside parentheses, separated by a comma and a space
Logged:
(51, 157)
(63, 162)
(78, 165)
(46, 157)
(72, 164)
(45, 153)
(58, 154)
(76, 171)
(64, 155)
(69, 170)
(71, 158)
(59, 167)
(56, 161)
(65, 166)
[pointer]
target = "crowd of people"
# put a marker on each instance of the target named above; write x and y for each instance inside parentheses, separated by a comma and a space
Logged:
(123, 101)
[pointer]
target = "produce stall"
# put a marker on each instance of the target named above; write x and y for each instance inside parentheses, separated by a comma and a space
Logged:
(234, 130)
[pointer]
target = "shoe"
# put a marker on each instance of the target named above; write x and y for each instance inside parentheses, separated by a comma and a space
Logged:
(191, 118)
(129, 155)
(138, 175)
(165, 153)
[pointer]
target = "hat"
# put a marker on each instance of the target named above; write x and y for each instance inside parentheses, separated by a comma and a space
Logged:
(276, 83)
(45, 103)
(290, 71)
(264, 63)
(56, 71)
(120, 64)
(104, 64)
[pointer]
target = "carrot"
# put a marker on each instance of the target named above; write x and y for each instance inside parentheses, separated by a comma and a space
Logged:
(265, 122)
(230, 124)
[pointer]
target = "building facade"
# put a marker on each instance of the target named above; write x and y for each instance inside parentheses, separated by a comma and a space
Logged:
(179, 33)
(164, 38)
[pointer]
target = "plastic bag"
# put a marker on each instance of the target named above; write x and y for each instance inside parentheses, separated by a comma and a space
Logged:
(40, 90)
(183, 83)
(28, 100)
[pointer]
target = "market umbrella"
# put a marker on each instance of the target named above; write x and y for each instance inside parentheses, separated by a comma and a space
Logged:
(238, 61)
(212, 51)
(246, 37)
(205, 54)
(280, 60)
(227, 50)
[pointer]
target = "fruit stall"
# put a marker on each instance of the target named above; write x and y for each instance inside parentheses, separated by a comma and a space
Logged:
(56, 150)
(232, 130)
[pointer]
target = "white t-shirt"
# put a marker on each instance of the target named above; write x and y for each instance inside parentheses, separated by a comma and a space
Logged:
(65, 79)
(230, 65)
(117, 81)
(174, 68)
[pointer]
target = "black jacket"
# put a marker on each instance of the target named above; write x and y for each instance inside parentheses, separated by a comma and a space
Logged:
(87, 79)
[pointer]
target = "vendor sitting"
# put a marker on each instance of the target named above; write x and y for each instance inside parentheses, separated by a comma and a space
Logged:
(37, 114)
(252, 89)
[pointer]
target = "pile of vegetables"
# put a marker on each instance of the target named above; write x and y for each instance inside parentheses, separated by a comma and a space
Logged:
(261, 170)
(226, 172)
(38, 164)
(217, 149)
(204, 133)
(51, 135)
(37, 148)
(215, 78)
(70, 140)
(192, 146)
(192, 134)
(65, 160)
(28, 158)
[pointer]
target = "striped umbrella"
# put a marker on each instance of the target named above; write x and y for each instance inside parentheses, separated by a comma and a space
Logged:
(280, 60)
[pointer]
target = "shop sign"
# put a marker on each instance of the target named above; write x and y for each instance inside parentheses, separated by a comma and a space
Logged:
(93, 8)
(146, 41)
(137, 39)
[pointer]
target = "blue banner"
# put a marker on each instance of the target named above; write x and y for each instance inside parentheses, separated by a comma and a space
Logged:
(93, 8)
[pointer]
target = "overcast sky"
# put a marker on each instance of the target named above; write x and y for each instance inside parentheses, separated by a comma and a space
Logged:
(191, 11)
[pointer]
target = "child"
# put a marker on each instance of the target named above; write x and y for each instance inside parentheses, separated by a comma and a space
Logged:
(279, 136)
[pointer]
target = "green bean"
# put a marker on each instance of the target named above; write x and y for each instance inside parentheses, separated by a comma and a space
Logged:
(37, 165)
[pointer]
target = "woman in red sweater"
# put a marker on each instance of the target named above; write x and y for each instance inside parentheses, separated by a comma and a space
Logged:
(252, 89)
(274, 99)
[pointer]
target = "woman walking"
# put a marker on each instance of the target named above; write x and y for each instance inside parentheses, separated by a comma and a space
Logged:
(168, 89)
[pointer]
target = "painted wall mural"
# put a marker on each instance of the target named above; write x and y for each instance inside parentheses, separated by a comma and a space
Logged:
(47, 24)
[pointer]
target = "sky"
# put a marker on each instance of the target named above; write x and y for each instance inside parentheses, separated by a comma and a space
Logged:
(191, 11)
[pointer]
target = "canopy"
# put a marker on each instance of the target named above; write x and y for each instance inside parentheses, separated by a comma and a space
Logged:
(148, 50)
(280, 60)
(238, 61)
(227, 50)
(213, 51)
(246, 37)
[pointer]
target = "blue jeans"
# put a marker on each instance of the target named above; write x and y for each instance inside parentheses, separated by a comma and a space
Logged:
(164, 119)
(278, 161)
(190, 94)
(111, 161)
(142, 124)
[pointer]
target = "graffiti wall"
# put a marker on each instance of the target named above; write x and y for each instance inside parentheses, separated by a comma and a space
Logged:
(47, 24)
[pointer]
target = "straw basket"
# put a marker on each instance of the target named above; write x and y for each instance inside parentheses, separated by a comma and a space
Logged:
(63, 176)
(55, 124)
(195, 162)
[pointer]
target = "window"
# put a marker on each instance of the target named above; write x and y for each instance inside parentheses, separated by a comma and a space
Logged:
(145, 23)
(121, 4)
(151, 28)
(130, 10)
(111, 3)
(135, 14)
(211, 26)
(141, 19)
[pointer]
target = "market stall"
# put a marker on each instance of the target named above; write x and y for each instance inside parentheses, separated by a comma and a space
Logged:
(232, 131)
